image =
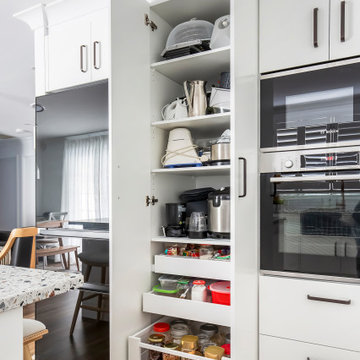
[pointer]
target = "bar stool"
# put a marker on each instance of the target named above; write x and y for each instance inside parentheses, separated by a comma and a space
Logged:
(92, 259)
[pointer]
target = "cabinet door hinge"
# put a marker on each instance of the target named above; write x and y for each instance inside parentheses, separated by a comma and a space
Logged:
(151, 200)
(150, 23)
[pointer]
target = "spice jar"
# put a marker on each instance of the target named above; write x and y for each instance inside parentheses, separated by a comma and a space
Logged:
(171, 346)
(209, 329)
(204, 342)
(189, 344)
(157, 340)
(178, 331)
(199, 291)
(163, 328)
(214, 352)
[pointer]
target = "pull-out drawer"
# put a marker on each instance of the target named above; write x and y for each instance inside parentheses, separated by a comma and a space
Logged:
(318, 312)
(280, 349)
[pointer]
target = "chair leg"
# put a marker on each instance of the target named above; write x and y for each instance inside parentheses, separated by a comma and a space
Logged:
(79, 300)
(100, 297)
(77, 260)
(27, 355)
(61, 243)
(76, 312)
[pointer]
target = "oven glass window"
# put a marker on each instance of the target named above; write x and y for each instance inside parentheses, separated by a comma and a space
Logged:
(311, 227)
(312, 108)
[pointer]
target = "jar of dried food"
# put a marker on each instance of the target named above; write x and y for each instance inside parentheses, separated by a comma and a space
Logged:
(214, 352)
(227, 338)
(199, 291)
(189, 344)
(178, 331)
(163, 328)
(156, 340)
(204, 341)
(209, 329)
(206, 252)
(171, 346)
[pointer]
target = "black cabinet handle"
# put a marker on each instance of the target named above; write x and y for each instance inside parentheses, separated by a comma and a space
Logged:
(243, 190)
(315, 26)
(334, 301)
(342, 21)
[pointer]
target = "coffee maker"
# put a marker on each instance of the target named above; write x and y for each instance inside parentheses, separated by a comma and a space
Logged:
(175, 220)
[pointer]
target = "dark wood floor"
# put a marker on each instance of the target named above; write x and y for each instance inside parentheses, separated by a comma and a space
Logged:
(89, 342)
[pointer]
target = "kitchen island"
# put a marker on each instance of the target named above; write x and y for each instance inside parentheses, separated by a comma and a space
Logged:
(20, 287)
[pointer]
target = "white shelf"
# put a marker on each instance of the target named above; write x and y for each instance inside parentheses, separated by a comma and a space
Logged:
(207, 126)
(187, 309)
(139, 342)
(186, 240)
(196, 171)
(186, 266)
(206, 65)
(177, 11)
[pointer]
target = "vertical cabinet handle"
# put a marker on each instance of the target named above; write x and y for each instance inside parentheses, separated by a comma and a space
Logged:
(97, 55)
(83, 59)
(342, 21)
(315, 27)
(243, 185)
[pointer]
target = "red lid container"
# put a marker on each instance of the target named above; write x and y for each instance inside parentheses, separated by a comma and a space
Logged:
(199, 282)
(161, 327)
(220, 292)
(227, 349)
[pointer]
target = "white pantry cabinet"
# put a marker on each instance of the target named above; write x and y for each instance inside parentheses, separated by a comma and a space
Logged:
(141, 84)
(293, 33)
(297, 33)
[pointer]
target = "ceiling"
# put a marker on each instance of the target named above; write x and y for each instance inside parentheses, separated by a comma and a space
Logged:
(73, 112)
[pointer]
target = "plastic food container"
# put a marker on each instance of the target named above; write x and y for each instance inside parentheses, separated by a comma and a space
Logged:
(158, 290)
(162, 328)
(169, 282)
(220, 292)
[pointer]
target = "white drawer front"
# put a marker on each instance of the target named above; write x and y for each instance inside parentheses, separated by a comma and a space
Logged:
(280, 349)
(287, 312)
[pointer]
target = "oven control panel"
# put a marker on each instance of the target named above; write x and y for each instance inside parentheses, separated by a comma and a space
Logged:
(310, 160)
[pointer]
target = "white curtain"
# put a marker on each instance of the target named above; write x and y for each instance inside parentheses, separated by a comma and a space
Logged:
(85, 183)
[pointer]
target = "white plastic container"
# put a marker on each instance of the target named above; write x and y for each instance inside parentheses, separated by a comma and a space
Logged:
(199, 291)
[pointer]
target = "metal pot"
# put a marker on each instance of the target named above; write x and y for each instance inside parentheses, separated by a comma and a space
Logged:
(220, 152)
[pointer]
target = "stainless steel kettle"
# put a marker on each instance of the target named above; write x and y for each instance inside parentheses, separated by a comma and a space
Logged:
(219, 213)
(196, 98)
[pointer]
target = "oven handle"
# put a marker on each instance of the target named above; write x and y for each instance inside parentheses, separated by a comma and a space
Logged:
(291, 179)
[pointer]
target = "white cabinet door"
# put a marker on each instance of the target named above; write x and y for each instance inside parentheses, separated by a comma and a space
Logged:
(69, 54)
(318, 312)
(100, 45)
(272, 348)
(344, 29)
(293, 33)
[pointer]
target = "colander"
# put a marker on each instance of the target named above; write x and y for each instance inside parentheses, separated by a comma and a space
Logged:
(189, 33)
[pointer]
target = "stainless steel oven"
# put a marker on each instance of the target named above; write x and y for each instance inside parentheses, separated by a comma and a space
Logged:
(310, 212)
(311, 107)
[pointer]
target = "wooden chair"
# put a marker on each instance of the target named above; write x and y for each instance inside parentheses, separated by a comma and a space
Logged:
(21, 243)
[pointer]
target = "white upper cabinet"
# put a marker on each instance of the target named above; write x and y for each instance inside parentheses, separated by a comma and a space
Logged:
(293, 33)
(345, 28)
(69, 54)
(100, 45)
(72, 43)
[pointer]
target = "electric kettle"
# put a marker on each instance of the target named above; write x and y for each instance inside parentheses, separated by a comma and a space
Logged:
(196, 98)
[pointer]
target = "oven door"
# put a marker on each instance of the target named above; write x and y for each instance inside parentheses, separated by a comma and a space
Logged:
(313, 108)
(310, 223)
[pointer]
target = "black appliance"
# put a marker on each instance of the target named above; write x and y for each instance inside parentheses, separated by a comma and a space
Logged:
(311, 107)
(310, 212)
(175, 220)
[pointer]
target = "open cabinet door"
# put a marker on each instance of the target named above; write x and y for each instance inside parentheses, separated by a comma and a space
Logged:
(130, 171)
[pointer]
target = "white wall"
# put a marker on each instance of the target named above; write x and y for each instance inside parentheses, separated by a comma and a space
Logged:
(17, 183)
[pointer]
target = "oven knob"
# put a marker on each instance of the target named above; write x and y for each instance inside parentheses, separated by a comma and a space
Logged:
(289, 164)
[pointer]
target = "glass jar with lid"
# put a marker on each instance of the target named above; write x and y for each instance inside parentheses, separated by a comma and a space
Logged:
(189, 344)
(178, 330)
(209, 329)
(162, 328)
(199, 291)
(171, 346)
(214, 352)
(156, 340)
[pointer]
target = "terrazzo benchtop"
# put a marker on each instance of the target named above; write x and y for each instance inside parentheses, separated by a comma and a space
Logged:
(23, 286)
